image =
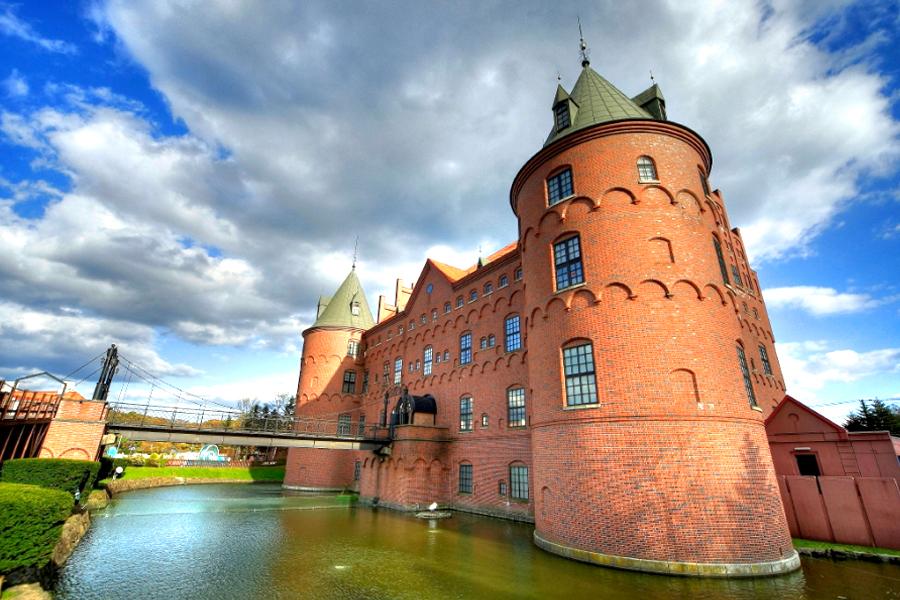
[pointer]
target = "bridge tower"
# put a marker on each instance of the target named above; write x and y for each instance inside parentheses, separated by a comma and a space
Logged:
(647, 427)
(330, 386)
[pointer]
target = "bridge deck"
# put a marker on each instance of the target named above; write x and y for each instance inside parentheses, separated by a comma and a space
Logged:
(244, 438)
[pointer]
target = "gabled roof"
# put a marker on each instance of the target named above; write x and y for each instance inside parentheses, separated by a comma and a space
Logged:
(790, 401)
(337, 311)
(598, 101)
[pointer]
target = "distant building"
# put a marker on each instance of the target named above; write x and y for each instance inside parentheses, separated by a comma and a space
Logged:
(605, 376)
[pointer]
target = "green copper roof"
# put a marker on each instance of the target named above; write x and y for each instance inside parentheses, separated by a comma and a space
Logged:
(598, 101)
(338, 311)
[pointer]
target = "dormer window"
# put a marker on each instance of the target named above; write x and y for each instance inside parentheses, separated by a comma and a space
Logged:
(354, 308)
(562, 116)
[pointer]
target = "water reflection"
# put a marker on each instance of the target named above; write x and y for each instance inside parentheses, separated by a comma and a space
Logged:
(256, 541)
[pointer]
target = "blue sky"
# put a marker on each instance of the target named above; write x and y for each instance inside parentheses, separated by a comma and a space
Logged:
(185, 179)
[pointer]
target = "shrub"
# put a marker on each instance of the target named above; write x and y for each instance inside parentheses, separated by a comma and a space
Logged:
(31, 519)
(135, 460)
(108, 466)
(58, 473)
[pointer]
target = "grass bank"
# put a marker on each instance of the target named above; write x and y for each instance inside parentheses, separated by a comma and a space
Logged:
(850, 549)
(272, 473)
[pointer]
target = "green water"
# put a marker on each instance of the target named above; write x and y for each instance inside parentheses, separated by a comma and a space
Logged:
(257, 541)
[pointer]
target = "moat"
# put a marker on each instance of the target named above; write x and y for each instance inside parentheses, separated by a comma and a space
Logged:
(258, 541)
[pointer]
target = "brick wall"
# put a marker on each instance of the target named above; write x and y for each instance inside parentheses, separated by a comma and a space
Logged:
(76, 430)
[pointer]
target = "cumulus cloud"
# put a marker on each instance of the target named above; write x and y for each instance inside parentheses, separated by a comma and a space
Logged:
(15, 84)
(12, 25)
(811, 366)
(820, 301)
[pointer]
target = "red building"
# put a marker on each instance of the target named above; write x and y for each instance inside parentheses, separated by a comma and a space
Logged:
(605, 376)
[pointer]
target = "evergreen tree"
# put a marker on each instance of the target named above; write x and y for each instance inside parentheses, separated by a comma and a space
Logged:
(874, 415)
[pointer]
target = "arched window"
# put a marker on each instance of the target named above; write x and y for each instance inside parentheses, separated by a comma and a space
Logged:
(465, 478)
(398, 370)
(427, 357)
(515, 407)
(721, 258)
(482, 344)
(492, 341)
(518, 482)
(447, 307)
(465, 348)
(581, 379)
(465, 413)
(473, 295)
(504, 281)
(434, 314)
(745, 371)
(488, 288)
(459, 302)
(646, 169)
(559, 187)
(567, 260)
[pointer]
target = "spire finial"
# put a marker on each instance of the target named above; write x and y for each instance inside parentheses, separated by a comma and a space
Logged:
(355, 252)
(652, 80)
(585, 52)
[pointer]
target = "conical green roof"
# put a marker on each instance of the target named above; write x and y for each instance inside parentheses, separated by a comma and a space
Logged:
(598, 101)
(347, 308)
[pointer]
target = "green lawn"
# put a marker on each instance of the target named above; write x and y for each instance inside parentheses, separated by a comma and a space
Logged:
(274, 473)
(816, 545)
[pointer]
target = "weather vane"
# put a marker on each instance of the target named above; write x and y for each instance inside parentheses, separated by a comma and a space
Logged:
(585, 52)
(651, 77)
(355, 251)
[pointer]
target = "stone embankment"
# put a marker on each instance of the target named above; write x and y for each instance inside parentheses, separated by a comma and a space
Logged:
(127, 485)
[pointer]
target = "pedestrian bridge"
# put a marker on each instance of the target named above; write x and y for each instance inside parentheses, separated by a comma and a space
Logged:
(195, 425)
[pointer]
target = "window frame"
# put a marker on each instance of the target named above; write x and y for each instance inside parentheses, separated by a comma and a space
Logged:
(427, 360)
(515, 408)
(745, 373)
(562, 117)
(353, 348)
(518, 482)
(465, 348)
(503, 281)
(570, 266)
(512, 335)
(579, 378)
(466, 478)
(557, 186)
(646, 165)
(466, 413)
(348, 385)
(398, 370)
(764, 358)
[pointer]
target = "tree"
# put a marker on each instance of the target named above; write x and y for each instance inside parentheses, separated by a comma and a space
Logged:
(874, 415)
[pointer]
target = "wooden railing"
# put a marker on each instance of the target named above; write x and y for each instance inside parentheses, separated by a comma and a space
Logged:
(25, 405)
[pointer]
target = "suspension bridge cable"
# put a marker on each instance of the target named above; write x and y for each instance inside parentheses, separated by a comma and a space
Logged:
(84, 365)
(156, 381)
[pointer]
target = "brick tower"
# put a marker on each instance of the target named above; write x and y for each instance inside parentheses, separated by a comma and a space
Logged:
(328, 386)
(648, 441)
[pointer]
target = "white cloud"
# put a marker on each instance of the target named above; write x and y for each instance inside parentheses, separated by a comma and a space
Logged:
(809, 367)
(15, 84)
(819, 301)
(13, 26)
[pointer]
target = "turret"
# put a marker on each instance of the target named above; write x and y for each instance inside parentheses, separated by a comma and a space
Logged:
(647, 425)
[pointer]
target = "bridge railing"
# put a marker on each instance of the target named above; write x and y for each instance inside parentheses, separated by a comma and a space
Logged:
(25, 405)
(207, 419)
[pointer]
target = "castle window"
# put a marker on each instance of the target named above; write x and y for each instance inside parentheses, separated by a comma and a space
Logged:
(386, 373)
(429, 288)
(704, 183)
(349, 385)
(484, 420)
(446, 356)
(755, 313)
(400, 330)
(501, 488)
(434, 314)
(562, 116)
(559, 187)
(518, 274)
(412, 325)
(423, 319)
(410, 366)
(459, 302)
(515, 406)
(748, 382)
(354, 308)
(447, 307)
(418, 364)
(398, 370)
(365, 387)
(357, 466)
(428, 356)
(465, 478)
(518, 480)
(353, 348)
(504, 281)
(473, 295)
(646, 169)
(488, 288)
(492, 341)
(437, 357)
(361, 426)
(465, 413)
(567, 260)
(737, 276)
(513, 333)
(581, 382)
(718, 246)
(343, 426)
(482, 343)
(764, 357)
(465, 348)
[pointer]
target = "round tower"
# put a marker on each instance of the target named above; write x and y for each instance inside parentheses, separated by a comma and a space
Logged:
(650, 451)
(330, 385)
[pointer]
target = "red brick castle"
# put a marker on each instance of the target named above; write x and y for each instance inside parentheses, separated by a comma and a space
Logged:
(606, 376)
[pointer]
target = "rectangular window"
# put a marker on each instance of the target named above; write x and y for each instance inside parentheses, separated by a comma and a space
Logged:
(365, 387)
(357, 467)
(559, 187)
(349, 386)
(518, 482)
(515, 401)
(398, 370)
(721, 258)
(386, 374)
(567, 259)
(764, 357)
(465, 479)
(562, 116)
(427, 362)
(518, 274)
(465, 348)
(513, 333)
(343, 428)
(465, 414)
(808, 465)
(748, 382)
(361, 431)
(352, 348)
(504, 281)
(581, 382)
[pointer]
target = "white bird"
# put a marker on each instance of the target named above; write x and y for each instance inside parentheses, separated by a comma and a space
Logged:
(433, 506)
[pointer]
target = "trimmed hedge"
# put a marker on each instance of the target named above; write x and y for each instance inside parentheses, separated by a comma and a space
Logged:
(108, 467)
(31, 519)
(58, 473)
